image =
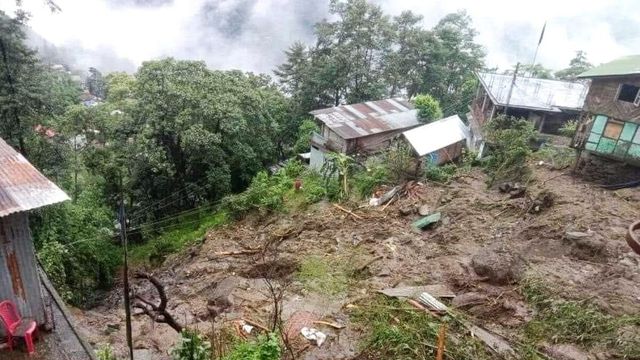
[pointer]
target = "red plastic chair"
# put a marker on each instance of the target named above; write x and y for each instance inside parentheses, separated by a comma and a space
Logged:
(17, 327)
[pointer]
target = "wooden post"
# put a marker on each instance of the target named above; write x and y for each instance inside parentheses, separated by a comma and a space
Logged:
(513, 82)
(127, 300)
(542, 119)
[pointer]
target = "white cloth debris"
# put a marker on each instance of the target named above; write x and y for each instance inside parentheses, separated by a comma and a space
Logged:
(247, 328)
(313, 335)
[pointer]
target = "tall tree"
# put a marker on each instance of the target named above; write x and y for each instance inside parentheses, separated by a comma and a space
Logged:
(577, 66)
(449, 75)
(95, 83)
(21, 92)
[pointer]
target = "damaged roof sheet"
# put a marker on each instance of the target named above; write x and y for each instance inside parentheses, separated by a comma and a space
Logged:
(22, 186)
(535, 94)
(368, 118)
(439, 134)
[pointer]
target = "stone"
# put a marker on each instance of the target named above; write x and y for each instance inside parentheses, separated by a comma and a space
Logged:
(407, 210)
(577, 235)
(142, 354)
(565, 352)
(499, 267)
(424, 210)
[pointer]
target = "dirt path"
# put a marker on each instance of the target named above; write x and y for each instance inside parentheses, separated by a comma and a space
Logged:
(485, 244)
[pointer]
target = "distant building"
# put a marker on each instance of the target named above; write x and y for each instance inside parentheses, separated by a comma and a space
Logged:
(22, 188)
(548, 104)
(609, 126)
(359, 128)
(440, 141)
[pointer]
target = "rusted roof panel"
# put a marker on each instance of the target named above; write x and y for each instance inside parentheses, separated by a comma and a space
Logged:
(22, 186)
(368, 118)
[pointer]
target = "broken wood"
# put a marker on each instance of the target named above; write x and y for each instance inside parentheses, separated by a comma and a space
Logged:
(331, 324)
(493, 341)
(158, 312)
(348, 212)
(237, 252)
(441, 336)
(437, 290)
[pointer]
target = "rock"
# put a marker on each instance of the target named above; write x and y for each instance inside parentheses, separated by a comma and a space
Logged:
(424, 210)
(589, 248)
(500, 267)
(142, 354)
(565, 352)
(468, 299)
(577, 235)
(407, 210)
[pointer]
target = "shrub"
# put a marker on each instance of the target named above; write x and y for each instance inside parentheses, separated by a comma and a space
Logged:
(305, 131)
(399, 160)
(266, 347)
(428, 108)
(440, 174)
(192, 346)
(106, 353)
(509, 140)
(569, 128)
(366, 181)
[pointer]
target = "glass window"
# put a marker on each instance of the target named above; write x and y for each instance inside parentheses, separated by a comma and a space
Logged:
(628, 93)
(613, 129)
(598, 124)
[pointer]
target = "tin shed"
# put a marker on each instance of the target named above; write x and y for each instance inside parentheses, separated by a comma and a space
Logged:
(440, 141)
(22, 188)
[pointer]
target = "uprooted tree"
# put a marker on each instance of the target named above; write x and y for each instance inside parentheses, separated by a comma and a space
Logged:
(157, 313)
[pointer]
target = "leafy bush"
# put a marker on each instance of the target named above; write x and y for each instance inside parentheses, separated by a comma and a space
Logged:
(74, 241)
(192, 346)
(400, 161)
(559, 157)
(569, 128)
(106, 353)
(440, 173)
(366, 181)
(305, 131)
(428, 108)
(266, 347)
(509, 139)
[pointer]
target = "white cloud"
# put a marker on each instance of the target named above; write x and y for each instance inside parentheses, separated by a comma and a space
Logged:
(252, 34)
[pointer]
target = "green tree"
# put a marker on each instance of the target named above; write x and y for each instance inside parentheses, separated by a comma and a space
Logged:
(95, 83)
(577, 66)
(21, 91)
(451, 63)
(428, 108)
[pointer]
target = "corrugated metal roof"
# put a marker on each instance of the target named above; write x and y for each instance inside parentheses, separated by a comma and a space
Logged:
(22, 186)
(627, 65)
(535, 94)
(439, 134)
(368, 118)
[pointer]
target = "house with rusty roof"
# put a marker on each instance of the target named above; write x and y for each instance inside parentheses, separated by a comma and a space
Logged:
(609, 126)
(360, 128)
(548, 104)
(24, 188)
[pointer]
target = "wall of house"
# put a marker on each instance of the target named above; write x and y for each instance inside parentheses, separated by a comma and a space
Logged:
(446, 154)
(333, 141)
(601, 99)
(373, 142)
(610, 137)
(19, 280)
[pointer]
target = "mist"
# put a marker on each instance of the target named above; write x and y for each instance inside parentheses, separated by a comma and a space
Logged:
(251, 35)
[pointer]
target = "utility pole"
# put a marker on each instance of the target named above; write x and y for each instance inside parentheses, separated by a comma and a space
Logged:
(127, 300)
(513, 83)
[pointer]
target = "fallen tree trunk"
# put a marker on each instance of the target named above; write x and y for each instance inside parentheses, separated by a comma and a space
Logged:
(157, 313)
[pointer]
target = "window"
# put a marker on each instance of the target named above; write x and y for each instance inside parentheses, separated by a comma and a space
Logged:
(629, 93)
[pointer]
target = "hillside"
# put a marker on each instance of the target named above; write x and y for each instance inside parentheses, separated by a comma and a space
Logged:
(555, 279)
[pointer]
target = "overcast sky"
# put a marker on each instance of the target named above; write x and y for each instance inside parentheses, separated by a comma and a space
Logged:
(252, 34)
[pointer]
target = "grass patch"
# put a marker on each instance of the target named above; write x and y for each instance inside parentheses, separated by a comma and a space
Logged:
(323, 275)
(568, 321)
(398, 331)
(192, 230)
(558, 156)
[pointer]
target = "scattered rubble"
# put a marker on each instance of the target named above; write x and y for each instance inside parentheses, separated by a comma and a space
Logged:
(499, 266)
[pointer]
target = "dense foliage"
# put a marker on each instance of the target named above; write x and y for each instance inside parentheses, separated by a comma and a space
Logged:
(510, 141)
(192, 346)
(428, 108)
(366, 55)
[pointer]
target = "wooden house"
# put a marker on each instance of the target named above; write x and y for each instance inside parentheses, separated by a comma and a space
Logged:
(609, 125)
(548, 104)
(22, 188)
(359, 128)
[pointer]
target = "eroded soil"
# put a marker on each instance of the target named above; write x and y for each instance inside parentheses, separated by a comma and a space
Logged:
(485, 244)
